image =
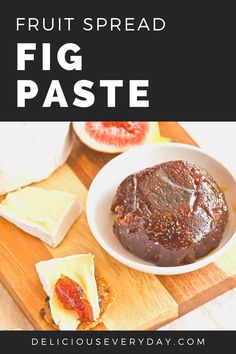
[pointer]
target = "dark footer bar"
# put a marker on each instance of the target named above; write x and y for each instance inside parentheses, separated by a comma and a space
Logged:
(115, 341)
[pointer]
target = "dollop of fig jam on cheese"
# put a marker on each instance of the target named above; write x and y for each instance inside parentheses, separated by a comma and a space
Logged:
(73, 297)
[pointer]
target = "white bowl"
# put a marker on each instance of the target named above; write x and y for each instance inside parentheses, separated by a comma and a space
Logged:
(103, 189)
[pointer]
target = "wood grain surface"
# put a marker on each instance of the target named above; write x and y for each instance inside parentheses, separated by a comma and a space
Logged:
(142, 301)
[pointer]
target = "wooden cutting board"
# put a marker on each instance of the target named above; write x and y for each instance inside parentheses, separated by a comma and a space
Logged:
(143, 301)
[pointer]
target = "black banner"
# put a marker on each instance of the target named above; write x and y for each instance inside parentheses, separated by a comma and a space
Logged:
(112, 342)
(177, 56)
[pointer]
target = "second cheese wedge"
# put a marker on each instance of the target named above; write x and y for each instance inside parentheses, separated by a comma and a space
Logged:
(47, 215)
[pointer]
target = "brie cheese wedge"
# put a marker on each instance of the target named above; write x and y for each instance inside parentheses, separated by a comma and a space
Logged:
(32, 151)
(47, 215)
(79, 268)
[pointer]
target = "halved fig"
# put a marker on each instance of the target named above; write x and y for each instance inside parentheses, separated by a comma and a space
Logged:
(115, 137)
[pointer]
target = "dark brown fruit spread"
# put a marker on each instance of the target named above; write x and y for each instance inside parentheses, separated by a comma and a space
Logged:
(170, 214)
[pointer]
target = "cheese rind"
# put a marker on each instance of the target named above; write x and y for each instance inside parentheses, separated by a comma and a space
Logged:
(79, 268)
(47, 215)
(32, 151)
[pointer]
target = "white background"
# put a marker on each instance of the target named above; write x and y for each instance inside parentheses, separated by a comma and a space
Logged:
(218, 138)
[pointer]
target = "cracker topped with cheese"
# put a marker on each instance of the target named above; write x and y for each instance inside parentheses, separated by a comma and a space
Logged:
(47, 215)
(76, 298)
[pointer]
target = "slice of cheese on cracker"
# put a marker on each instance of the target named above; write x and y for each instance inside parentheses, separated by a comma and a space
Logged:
(79, 268)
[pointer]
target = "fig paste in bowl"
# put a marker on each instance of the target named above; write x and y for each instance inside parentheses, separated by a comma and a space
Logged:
(170, 214)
